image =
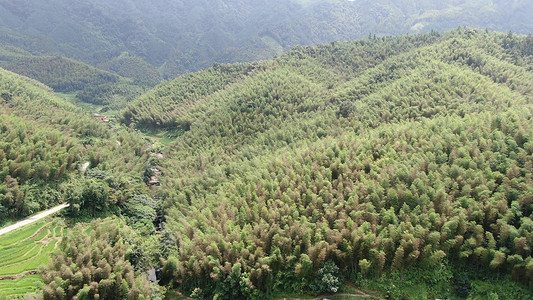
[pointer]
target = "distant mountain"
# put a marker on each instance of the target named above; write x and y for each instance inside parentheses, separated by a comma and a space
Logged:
(176, 36)
(85, 82)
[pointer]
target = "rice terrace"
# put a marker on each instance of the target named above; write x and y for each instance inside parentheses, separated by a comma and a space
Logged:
(23, 251)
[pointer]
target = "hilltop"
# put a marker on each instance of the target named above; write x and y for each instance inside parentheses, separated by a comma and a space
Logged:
(106, 90)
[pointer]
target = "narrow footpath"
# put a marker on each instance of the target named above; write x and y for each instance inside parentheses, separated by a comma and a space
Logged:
(33, 218)
(335, 296)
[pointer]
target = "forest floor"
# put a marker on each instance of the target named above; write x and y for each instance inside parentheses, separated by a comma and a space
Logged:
(32, 219)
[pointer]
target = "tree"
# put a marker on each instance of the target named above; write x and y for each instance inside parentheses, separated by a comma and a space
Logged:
(498, 260)
(345, 109)
(364, 266)
(328, 279)
(462, 285)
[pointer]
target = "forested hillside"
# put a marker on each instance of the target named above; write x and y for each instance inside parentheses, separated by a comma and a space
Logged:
(100, 263)
(86, 83)
(401, 164)
(44, 142)
(174, 37)
(253, 149)
(50, 153)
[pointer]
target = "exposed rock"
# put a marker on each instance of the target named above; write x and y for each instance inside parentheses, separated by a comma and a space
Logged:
(155, 171)
(154, 181)
(83, 167)
(152, 275)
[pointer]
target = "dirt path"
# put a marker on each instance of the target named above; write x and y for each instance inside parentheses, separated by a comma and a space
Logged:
(32, 219)
(334, 296)
(360, 294)
(18, 276)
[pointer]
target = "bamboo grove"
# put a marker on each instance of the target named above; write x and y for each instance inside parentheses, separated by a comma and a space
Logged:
(379, 155)
(362, 161)
(43, 143)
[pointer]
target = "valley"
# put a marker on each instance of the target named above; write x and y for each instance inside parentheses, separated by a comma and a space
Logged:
(281, 160)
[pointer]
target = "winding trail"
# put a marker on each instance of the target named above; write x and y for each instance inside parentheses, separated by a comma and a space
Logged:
(32, 219)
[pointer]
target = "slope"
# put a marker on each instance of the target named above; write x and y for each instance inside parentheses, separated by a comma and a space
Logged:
(308, 93)
(44, 140)
(381, 155)
(23, 252)
(64, 75)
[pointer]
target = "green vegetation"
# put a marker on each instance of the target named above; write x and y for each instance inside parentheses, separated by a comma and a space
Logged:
(61, 74)
(135, 38)
(52, 152)
(133, 67)
(31, 284)
(162, 106)
(380, 155)
(23, 251)
(400, 165)
(87, 83)
(98, 265)
(43, 143)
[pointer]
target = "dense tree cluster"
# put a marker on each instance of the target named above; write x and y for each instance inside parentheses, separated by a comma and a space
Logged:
(88, 83)
(30, 157)
(402, 196)
(61, 74)
(298, 97)
(163, 106)
(379, 155)
(45, 140)
(97, 262)
(131, 66)
(366, 160)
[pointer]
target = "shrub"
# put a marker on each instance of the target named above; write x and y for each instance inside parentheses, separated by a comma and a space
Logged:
(328, 279)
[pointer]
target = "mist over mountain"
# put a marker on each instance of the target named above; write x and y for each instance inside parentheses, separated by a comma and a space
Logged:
(175, 36)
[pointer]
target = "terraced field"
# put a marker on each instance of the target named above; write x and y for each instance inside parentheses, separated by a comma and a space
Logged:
(22, 252)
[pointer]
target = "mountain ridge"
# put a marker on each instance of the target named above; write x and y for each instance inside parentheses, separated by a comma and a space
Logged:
(398, 158)
(175, 37)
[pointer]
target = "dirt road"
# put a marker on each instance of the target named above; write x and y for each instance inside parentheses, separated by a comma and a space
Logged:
(32, 219)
